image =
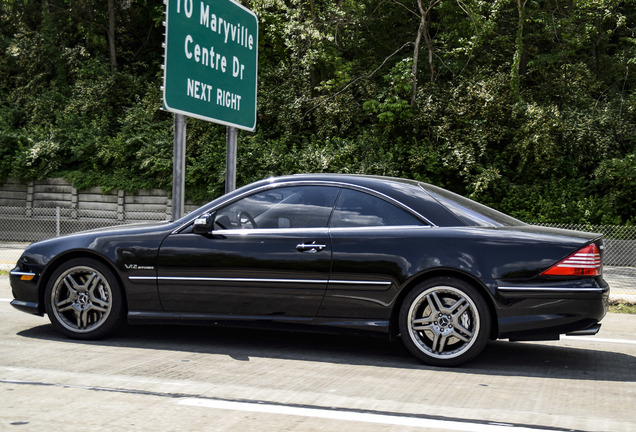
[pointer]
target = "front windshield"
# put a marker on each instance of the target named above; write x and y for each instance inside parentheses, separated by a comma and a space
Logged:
(469, 211)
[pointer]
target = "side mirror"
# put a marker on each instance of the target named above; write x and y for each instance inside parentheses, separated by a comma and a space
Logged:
(203, 224)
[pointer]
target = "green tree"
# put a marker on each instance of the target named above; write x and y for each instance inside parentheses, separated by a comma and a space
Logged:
(526, 105)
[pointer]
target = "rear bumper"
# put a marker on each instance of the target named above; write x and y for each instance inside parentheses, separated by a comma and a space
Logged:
(546, 312)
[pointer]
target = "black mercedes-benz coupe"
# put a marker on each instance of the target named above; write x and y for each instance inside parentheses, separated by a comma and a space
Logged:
(327, 252)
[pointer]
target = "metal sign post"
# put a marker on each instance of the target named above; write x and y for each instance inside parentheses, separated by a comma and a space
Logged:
(178, 168)
(230, 159)
(210, 73)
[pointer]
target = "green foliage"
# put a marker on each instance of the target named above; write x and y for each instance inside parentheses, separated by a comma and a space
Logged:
(393, 105)
(536, 117)
(616, 180)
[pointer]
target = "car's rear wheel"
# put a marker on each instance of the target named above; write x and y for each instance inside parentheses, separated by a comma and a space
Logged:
(444, 322)
(83, 299)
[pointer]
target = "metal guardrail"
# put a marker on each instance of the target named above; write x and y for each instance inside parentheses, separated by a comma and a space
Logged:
(17, 228)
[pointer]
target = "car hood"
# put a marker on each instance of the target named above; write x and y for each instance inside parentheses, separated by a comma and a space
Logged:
(106, 242)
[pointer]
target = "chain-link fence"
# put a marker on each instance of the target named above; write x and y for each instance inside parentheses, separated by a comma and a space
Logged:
(620, 242)
(620, 255)
(20, 226)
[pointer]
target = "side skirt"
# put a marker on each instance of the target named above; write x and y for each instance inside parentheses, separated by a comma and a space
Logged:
(304, 324)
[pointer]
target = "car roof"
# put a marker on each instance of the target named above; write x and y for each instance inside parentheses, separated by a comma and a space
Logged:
(410, 193)
(435, 205)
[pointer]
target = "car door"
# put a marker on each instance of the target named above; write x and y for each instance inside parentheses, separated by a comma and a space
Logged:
(268, 255)
(372, 240)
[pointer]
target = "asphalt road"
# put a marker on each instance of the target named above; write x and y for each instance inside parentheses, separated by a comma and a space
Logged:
(211, 379)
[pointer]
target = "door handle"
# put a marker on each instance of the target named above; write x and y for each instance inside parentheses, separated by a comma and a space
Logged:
(310, 248)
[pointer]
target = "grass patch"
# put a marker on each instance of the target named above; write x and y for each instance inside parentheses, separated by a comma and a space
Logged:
(619, 306)
(4, 272)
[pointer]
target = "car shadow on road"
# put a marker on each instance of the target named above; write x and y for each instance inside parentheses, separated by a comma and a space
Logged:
(558, 360)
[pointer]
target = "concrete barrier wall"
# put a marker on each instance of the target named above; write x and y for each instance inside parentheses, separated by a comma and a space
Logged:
(115, 204)
(46, 208)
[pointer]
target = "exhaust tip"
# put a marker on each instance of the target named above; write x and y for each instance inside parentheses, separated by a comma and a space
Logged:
(590, 331)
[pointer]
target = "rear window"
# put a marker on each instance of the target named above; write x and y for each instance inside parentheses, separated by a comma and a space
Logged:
(359, 209)
(469, 211)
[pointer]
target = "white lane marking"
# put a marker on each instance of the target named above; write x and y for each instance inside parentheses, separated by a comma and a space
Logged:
(602, 340)
(386, 419)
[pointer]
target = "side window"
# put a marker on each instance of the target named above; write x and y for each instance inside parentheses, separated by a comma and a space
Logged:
(284, 207)
(359, 209)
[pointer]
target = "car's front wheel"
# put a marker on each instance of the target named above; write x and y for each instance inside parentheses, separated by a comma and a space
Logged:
(444, 322)
(83, 299)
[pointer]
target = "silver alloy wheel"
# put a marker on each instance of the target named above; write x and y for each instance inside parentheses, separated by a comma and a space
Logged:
(443, 322)
(81, 299)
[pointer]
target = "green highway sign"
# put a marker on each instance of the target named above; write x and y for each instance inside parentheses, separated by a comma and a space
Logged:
(211, 61)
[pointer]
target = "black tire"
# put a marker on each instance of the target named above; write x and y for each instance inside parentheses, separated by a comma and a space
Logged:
(84, 299)
(444, 322)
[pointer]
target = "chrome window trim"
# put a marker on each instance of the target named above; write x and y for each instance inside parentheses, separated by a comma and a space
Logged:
(306, 232)
(380, 228)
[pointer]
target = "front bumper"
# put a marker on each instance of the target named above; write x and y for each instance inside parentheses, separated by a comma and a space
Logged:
(28, 307)
(25, 288)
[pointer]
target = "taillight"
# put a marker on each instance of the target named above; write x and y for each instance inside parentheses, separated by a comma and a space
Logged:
(584, 262)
